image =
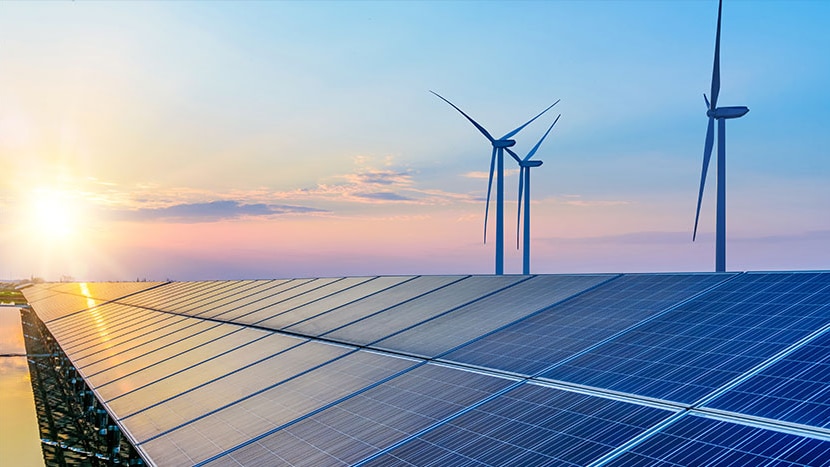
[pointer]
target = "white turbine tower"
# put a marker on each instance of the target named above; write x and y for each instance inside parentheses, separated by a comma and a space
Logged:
(721, 114)
(498, 155)
(524, 190)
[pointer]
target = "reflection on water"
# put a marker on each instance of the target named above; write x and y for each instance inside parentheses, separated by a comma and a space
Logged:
(19, 434)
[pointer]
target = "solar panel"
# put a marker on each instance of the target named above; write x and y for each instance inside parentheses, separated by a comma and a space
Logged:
(369, 421)
(242, 314)
(252, 302)
(336, 299)
(434, 337)
(685, 354)
(173, 345)
(232, 297)
(143, 402)
(152, 368)
(61, 300)
(273, 313)
(795, 389)
(110, 346)
(529, 425)
(412, 312)
(694, 440)
(281, 403)
(533, 344)
(372, 304)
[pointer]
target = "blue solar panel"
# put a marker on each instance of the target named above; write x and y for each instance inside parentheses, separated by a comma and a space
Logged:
(533, 344)
(685, 354)
(371, 420)
(795, 389)
(441, 333)
(702, 441)
(530, 425)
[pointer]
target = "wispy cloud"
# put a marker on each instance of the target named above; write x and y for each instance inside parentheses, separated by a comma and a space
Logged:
(485, 175)
(207, 212)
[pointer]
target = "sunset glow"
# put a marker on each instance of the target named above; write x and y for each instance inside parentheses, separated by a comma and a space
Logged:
(197, 141)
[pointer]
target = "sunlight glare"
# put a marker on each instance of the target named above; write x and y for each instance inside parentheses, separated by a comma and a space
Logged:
(53, 215)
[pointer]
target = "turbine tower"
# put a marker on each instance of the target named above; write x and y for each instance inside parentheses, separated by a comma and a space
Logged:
(721, 114)
(524, 183)
(498, 155)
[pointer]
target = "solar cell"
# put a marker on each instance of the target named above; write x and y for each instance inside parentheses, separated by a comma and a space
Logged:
(372, 304)
(266, 316)
(436, 336)
(694, 440)
(281, 403)
(531, 345)
(336, 299)
(369, 421)
(529, 425)
(685, 354)
(795, 389)
(397, 318)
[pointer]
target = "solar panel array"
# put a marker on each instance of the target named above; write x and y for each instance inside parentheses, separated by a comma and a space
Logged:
(594, 369)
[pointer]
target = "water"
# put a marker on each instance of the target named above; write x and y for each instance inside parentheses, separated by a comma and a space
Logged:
(19, 434)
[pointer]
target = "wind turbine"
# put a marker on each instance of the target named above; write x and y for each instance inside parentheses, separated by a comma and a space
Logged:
(498, 155)
(721, 114)
(524, 181)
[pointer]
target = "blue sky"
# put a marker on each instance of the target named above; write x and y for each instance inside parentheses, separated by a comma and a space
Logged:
(262, 139)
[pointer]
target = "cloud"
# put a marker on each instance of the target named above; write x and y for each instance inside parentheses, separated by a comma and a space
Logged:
(208, 212)
(383, 196)
(486, 175)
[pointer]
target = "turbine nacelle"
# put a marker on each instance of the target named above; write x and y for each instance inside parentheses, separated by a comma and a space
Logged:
(503, 143)
(727, 112)
(530, 163)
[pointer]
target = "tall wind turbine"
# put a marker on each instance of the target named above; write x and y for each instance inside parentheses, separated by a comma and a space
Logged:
(524, 182)
(721, 114)
(498, 155)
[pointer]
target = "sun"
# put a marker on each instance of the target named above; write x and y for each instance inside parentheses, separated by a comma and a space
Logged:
(53, 215)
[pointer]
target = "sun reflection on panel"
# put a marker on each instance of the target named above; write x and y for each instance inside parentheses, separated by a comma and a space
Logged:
(100, 322)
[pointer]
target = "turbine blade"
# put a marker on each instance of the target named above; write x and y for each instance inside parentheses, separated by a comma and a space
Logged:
(706, 100)
(716, 65)
(480, 128)
(519, 205)
(707, 154)
(529, 121)
(514, 155)
(535, 148)
(489, 188)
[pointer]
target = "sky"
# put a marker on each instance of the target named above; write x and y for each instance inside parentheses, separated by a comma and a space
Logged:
(236, 140)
